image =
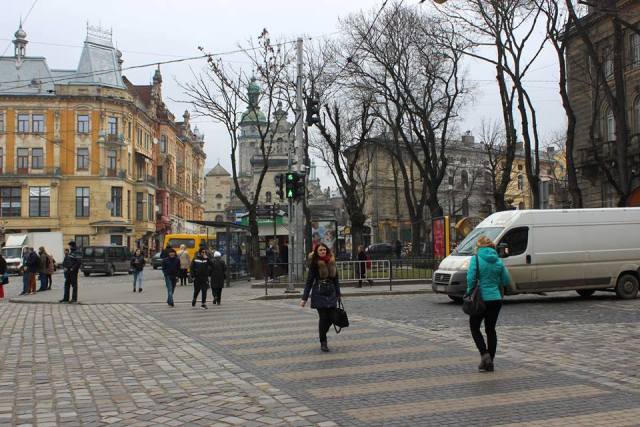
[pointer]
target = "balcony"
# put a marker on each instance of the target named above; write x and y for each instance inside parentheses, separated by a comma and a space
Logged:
(147, 179)
(116, 139)
(115, 173)
(24, 172)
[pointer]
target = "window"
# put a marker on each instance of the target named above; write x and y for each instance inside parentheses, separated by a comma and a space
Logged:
(112, 162)
(10, 201)
(83, 123)
(116, 201)
(635, 49)
(519, 167)
(150, 207)
(139, 206)
(607, 62)
(188, 243)
(23, 123)
(464, 177)
(37, 122)
(219, 206)
(219, 196)
(82, 240)
(163, 143)
(520, 182)
(517, 240)
(1, 122)
(219, 218)
(129, 131)
(39, 201)
(113, 125)
(37, 161)
(116, 239)
(82, 162)
(23, 160)
(1, 159)
(82, 201)
(610, 126)
(128, 204)
(268, 196)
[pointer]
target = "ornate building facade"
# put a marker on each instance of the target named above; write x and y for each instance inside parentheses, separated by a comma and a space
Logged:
(80, 150)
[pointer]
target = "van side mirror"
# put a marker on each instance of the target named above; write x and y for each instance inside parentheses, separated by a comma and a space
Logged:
(503, 250)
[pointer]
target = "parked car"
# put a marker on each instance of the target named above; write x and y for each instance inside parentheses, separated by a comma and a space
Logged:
(156, 261)
(381, 251)
(106, 259)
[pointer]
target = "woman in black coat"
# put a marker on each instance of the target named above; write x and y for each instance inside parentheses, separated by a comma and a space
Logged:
(218, 271)
(200, 269)
(322, 284)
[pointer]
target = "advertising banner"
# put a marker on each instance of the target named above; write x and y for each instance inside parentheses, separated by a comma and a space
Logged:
(324, 232)
(440, 237)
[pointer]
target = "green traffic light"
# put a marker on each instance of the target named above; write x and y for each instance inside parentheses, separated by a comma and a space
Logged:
(290, 194)
(289, 177)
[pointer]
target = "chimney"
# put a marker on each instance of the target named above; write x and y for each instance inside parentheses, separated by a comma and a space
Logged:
(467, 138)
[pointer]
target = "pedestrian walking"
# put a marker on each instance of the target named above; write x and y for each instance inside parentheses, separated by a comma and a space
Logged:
(218, 275)
(51, 268)
(170, 267)
(25, 273)
(323, 286)
(71, 265)
(165, 252)
(43, 268)
(364, 263)
(183, 255)
(200, 270)
(492, 277)
(33, 267)
(271, 260)
(4, 275)
(398, 249)
(137, 265)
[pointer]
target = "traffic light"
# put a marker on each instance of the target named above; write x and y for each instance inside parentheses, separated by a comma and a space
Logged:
(279, 181)
(313, 110)
(294, 187)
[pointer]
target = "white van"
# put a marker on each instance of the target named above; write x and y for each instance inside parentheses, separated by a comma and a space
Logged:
(555, 250)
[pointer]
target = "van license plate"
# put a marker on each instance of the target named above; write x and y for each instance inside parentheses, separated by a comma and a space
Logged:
(441, 288)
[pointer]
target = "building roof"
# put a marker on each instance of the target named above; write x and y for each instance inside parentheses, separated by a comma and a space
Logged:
(29, 77)
(218, 170)
(99, 63)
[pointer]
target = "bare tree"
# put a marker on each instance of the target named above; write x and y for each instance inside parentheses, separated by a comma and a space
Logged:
(492, 137)
(222, 91)
(410, 65)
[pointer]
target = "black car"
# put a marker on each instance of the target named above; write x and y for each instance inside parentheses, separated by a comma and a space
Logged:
(156, 261)
(106, 259)
(381, 251)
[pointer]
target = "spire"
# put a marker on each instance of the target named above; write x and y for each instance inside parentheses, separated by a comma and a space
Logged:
(20, 43)
(157, 77)
(253, 92)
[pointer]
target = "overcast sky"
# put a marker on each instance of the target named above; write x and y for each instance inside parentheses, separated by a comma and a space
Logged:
(148, 31)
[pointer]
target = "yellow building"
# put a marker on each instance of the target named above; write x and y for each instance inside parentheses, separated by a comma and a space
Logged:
(78, 148)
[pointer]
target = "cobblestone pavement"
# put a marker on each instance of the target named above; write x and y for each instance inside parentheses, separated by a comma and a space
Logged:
(404, 361)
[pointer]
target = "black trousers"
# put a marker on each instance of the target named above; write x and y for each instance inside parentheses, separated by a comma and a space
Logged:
(200, 286)
(324, 322)
(71, 281)
(183, 276)
(216, 294)
(490, 318)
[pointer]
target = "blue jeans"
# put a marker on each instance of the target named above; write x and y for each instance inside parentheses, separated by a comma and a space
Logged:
(43, 281)
(25, 282)
(170, 283)
(137, 280)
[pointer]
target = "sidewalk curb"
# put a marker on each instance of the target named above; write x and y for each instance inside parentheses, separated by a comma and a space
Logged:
(349, 294)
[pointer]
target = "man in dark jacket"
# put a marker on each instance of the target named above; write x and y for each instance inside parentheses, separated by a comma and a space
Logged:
(71, 265)
(33, 264)
(170, 268)
(199, 271)
(165, 252)
(43, 267)
(218, 274)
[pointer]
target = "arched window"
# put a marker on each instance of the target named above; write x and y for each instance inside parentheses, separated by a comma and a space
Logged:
(608, 126)
(219, 196)
(267, 196)
(520, 182)
(219, 218)
(464, 177)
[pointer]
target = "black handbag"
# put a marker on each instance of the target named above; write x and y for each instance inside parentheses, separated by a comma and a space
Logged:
(472, 303)
(339, 317)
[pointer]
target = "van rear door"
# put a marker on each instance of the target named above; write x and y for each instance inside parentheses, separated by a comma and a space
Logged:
(520, 261)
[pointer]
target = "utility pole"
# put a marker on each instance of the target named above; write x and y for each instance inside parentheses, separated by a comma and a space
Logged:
(296, 221)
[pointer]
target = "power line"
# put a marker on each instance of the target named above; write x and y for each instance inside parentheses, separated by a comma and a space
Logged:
(22, 21)
(75, 75)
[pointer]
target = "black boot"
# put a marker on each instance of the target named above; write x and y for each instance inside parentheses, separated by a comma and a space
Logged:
(485, 361)
(323, 346)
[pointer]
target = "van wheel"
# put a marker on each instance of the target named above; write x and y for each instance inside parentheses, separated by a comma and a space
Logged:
(585, 292)
(86, 273)
(111, 271)
(627, 286)
(457, 300)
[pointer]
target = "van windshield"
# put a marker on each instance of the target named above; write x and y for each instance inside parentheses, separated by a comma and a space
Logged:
(175, 243)
(467, 246)
(12, 252)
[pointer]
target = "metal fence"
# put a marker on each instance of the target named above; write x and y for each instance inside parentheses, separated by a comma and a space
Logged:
(394, 270)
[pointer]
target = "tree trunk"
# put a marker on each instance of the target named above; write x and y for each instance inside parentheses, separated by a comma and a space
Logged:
(254, 247)
(416, 236)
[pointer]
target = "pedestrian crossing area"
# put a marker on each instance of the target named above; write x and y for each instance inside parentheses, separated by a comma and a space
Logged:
(385, 376)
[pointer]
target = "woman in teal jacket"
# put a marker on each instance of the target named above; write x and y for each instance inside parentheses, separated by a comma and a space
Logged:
(493, 277)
